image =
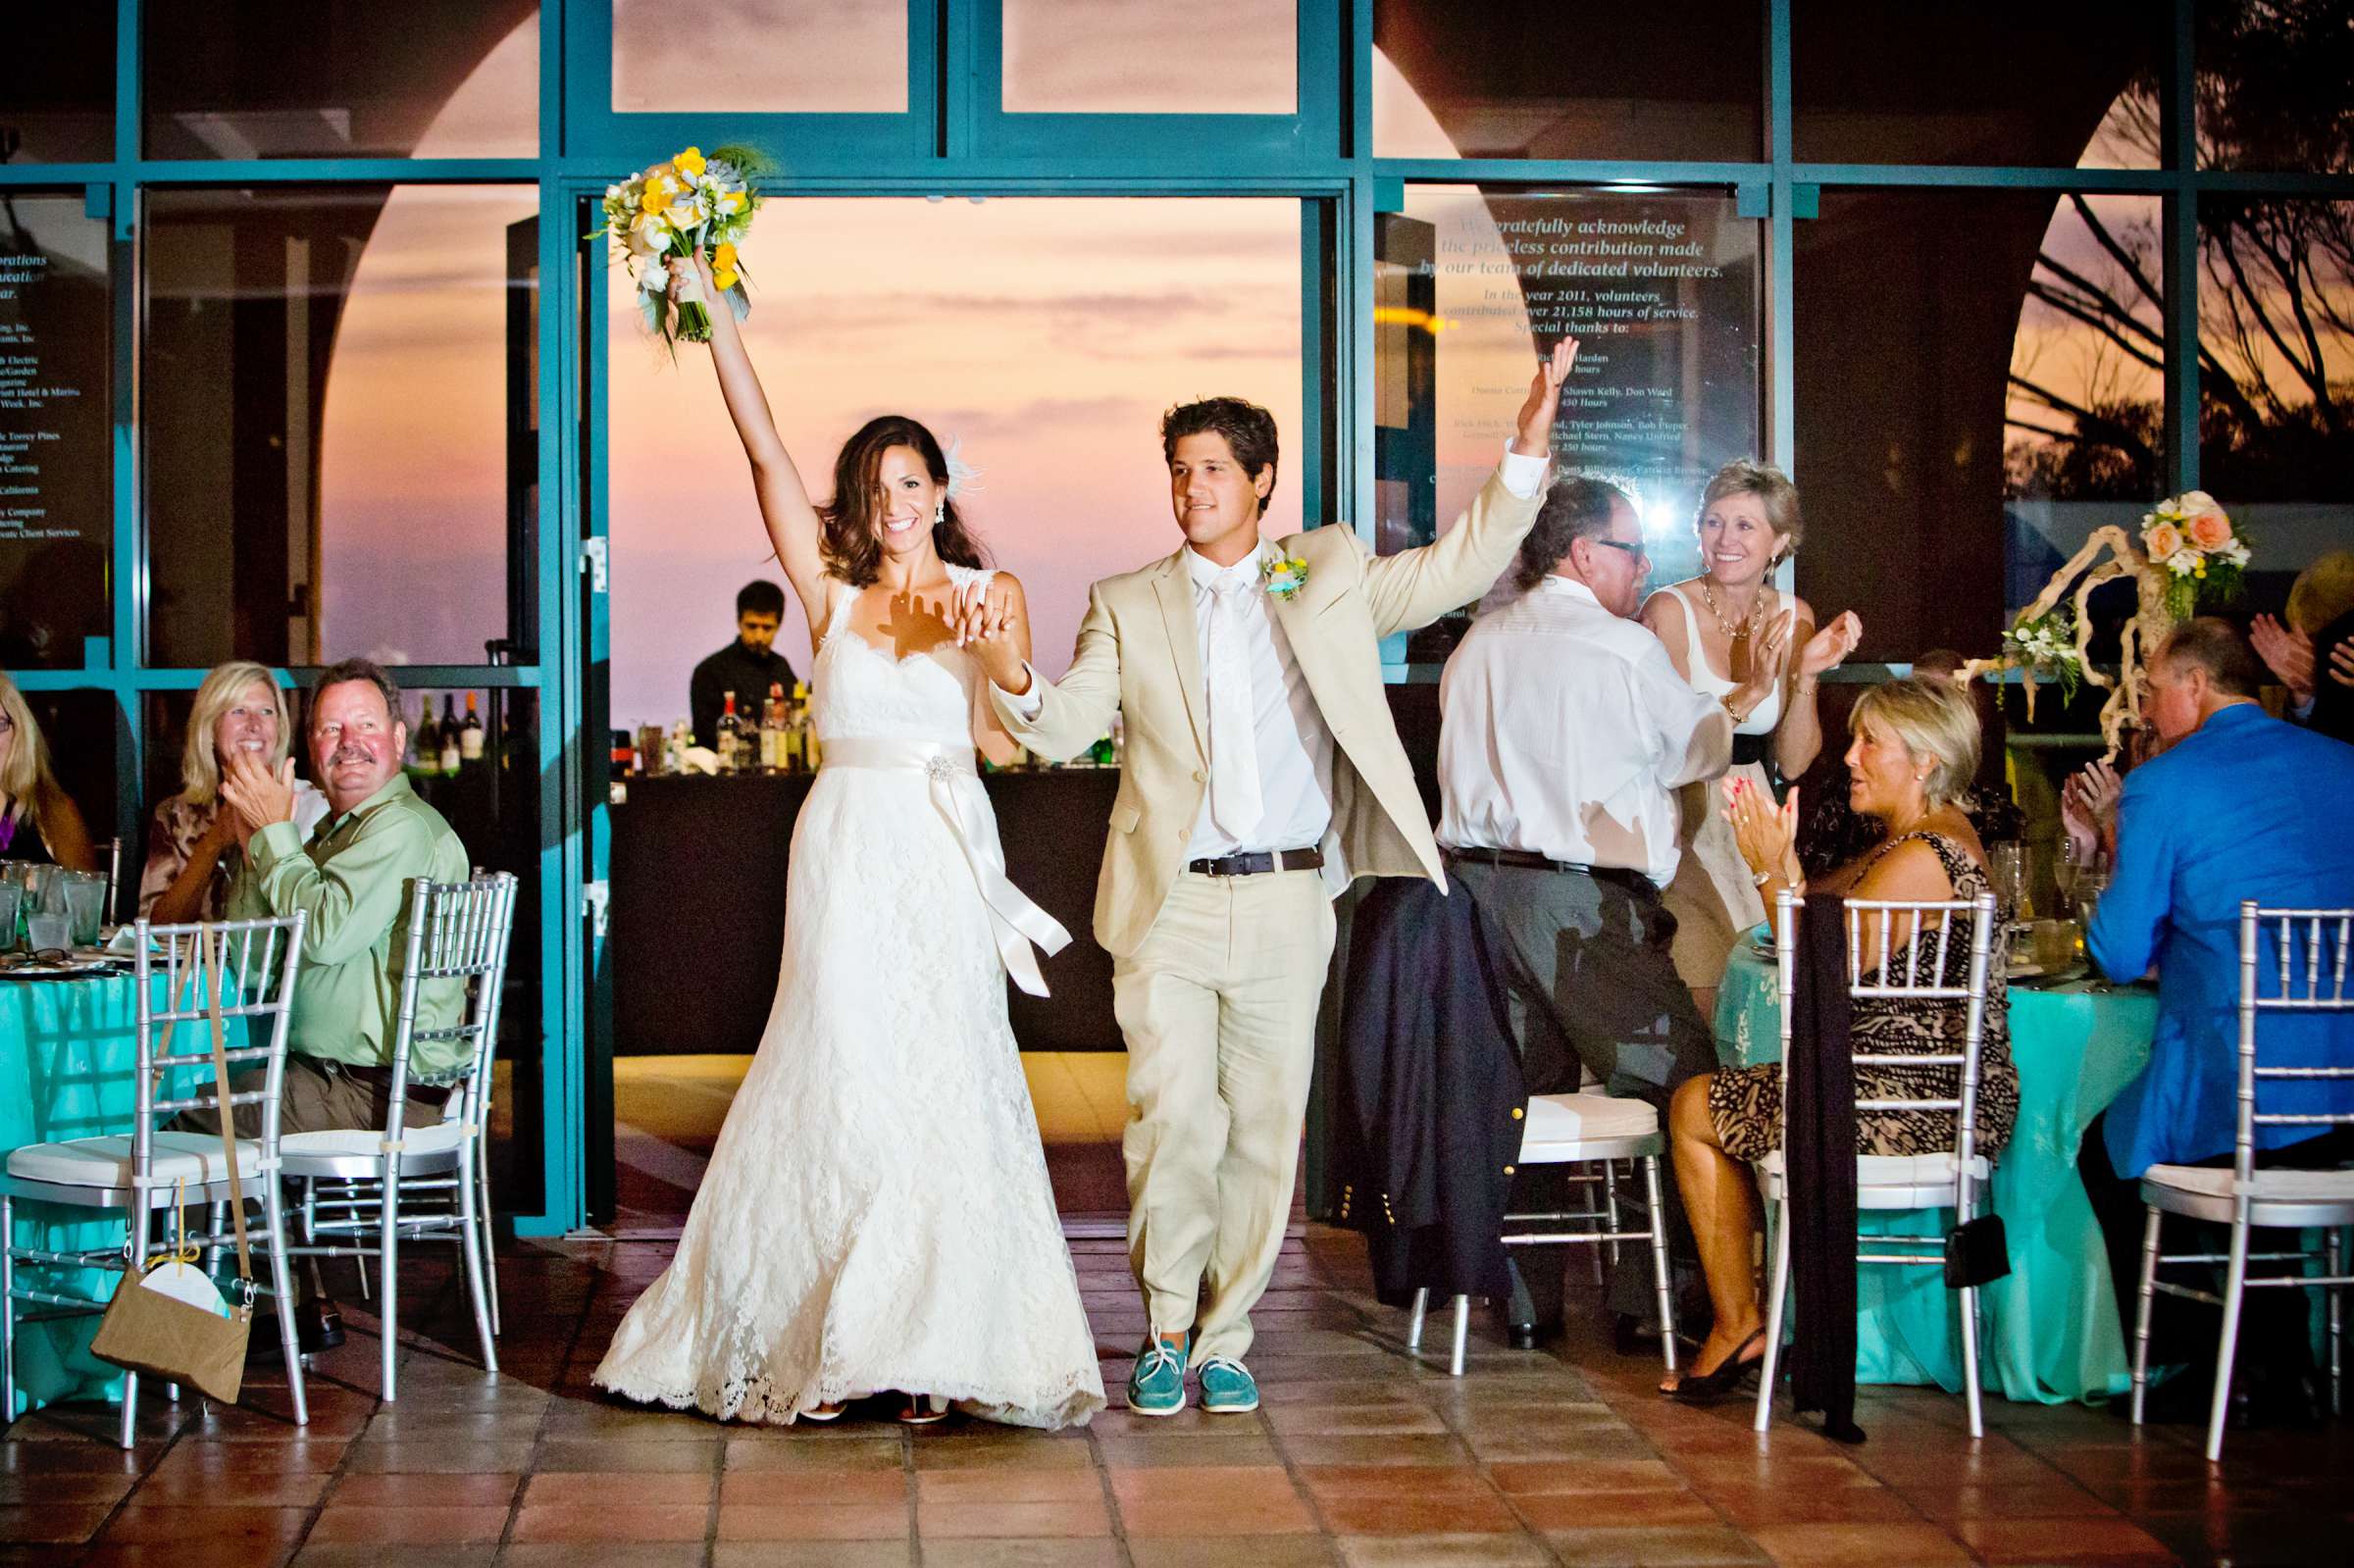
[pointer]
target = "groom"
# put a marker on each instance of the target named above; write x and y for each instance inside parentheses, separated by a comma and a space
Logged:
(1261, 773)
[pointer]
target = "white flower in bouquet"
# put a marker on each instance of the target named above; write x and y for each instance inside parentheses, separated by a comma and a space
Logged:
(2192, 537)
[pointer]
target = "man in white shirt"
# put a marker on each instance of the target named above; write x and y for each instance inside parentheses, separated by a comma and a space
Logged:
(1563, 733)
(1263, 772)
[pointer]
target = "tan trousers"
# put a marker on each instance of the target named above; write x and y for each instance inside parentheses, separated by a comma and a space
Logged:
(1219, 1009)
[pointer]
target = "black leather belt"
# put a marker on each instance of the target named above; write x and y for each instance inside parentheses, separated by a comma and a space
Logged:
(1752, 748)
(1530, 860)
(1258, 863)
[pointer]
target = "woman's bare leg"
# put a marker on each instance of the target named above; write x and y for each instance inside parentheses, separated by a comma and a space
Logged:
(1721, 1202)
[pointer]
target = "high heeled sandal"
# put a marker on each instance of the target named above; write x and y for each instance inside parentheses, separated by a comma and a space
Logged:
(1708, 1387)
(826, 1412)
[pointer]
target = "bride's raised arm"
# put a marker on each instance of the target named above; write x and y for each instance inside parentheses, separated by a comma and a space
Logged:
(785, 505)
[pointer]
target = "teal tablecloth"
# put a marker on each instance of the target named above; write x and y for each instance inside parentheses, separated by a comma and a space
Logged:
(2048, 1331)
(69, 1059)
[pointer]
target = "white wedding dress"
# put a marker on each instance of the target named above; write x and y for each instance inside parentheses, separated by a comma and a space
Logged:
(876, 1214)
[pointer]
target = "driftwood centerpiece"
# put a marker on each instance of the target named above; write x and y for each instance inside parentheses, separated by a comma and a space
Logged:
(2187, 555)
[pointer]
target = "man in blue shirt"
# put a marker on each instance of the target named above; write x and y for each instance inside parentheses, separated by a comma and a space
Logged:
(2237, 806)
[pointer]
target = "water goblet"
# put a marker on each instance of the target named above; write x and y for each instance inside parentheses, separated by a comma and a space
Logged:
(12, 902)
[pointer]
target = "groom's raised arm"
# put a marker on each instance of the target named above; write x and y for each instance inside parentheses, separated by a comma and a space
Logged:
(1059, 719)
(1415, 587)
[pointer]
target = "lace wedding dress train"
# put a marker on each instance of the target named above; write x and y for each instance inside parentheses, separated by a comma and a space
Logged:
(876, 1214)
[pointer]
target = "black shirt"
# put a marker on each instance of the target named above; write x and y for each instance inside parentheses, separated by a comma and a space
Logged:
(734, 668)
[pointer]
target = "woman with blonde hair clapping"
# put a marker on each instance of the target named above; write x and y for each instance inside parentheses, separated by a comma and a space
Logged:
(192, 853)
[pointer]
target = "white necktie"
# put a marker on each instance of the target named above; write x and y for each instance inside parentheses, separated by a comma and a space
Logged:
(1234, 799)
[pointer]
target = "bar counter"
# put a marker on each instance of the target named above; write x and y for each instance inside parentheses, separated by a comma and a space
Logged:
(697, 914)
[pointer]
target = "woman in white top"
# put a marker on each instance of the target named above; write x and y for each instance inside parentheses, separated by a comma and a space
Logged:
(1730, 633)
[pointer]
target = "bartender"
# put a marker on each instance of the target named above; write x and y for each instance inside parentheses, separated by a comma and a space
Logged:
(747, 666)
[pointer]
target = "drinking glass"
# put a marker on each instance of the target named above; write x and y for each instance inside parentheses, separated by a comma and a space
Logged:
(2007, 873)
(45, 931)
(12, 900)
(86, 906)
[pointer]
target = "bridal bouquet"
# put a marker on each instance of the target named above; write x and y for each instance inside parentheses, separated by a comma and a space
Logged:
(673, 209)
(2046, 647)
(2203, 556)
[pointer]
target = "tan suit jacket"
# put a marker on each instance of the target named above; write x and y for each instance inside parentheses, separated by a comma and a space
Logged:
(1137, 654)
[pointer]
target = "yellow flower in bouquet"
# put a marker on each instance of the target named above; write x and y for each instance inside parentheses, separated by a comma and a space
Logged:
(688, 203)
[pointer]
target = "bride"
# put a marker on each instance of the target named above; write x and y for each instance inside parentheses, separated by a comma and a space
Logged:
(876, 1215)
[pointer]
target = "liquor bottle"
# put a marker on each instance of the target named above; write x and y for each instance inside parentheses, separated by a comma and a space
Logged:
(1119, 741)
(425, 741)
(1100, 755)
(453, 754)
(730, 737)
(812, 753)
(772, 729)
(790, 757)
(470, 734)
(674, 747)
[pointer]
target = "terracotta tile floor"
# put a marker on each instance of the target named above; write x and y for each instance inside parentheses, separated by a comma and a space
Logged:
(1361, 1455)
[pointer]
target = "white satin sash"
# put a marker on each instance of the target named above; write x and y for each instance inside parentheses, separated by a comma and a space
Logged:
(1018, 924)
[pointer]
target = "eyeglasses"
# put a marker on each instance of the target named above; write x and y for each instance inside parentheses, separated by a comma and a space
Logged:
(1635, 550)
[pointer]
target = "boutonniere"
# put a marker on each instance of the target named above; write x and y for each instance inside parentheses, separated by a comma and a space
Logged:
(1282, 575)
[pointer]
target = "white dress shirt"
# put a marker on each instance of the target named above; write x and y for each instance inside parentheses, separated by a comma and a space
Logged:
(1564, 730)
(1292, 742)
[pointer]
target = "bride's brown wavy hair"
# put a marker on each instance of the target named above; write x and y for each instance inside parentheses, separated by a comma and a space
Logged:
(848, 540)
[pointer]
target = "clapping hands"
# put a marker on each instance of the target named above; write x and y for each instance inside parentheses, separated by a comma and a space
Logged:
(1768, 835)
(1830, 648)
(257, 796)
(2290, 655)
(2088, 809)
(1769, 662)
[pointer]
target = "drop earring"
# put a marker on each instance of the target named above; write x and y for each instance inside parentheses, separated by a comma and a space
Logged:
(939, 513)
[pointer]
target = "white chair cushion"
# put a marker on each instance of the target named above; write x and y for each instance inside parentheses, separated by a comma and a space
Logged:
(105, 1162)
(437, 1138)
(1557, 1121)
(1895, 1181)
(2310, 1186)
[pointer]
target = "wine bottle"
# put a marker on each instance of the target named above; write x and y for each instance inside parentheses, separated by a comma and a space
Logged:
(454, 753)
(425, 741)
(470, 734)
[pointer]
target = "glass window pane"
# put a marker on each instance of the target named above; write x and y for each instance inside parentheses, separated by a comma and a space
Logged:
(1955, 453)
(342, 78)
(56, 445)
(761, 56)
(1660, 290)
(336, 438)
(1991, 82)
(2085, 420)
(57, 85)
(1524, 79)
(2277, 380)
(1120, 57)
(2273, 89)
(1046, 335)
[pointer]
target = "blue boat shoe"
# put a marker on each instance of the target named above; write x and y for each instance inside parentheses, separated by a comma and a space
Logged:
(1157, 1386)
(1227, 1386)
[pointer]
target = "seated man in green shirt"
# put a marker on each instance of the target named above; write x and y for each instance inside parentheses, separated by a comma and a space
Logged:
(352, 878)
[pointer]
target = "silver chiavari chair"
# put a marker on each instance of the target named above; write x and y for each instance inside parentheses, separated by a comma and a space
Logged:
(367, 1191)
(1950, 1180)
(1594, 1131)
(148, 1169)
(2243, 1198)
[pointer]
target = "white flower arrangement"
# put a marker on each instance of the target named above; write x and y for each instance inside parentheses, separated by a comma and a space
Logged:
(676, 208)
